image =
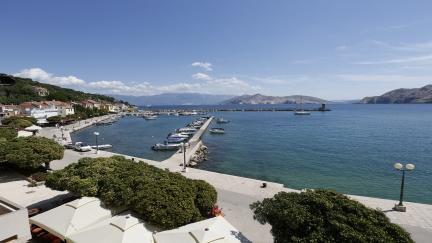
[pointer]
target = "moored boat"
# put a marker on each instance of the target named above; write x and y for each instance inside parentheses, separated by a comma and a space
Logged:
(102, 146)
(166, 146)
(150, 117)
(221, 120)
(217, 130)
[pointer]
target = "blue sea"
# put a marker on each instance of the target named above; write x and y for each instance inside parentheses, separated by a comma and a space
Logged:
(351, 149)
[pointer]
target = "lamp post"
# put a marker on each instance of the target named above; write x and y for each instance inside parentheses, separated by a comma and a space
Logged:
(184, 156)
(97, 146)
(408, 167)
(61, 129)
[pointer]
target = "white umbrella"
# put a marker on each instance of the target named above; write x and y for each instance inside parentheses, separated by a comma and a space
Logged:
(24, 134)
(118, 229)
(72, 217)
(216, 230)
(33, 128)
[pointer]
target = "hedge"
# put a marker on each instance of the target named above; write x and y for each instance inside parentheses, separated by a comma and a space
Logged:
(160, 197)
(325, 216)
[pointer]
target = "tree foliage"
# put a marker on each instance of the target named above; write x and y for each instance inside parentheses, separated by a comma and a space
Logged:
(160, 197)
(325, 216)
(30, 152)
(23, 90)
(7, 133)
(19, 122)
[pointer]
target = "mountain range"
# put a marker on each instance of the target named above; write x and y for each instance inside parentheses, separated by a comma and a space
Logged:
(402, 96)
(264, 99)
(174, 99)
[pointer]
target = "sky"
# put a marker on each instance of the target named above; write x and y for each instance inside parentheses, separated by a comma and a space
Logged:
(334, 49)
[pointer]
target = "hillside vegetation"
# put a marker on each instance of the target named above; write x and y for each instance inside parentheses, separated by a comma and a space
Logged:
(23, 90)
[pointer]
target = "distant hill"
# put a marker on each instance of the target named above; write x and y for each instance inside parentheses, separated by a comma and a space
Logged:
(402, 96)
(15, 90)
(175, 99)
(263, 99)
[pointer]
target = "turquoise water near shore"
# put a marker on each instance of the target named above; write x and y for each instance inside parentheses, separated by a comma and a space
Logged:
(350, 149)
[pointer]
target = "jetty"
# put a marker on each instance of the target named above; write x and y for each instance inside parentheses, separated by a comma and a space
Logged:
(235, 193)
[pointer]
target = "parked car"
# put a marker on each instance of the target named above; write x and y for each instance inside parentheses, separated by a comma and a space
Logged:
(82, 147)
(69, 146)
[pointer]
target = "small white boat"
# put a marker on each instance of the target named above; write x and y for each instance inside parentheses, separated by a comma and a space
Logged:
(102, 146)
(166, 146)
(217, 130)
(178, 135)
(150, 117)
(302, 113)
(221, 120)
(187, 130)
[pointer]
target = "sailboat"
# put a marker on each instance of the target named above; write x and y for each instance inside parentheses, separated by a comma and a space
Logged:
(301, 111)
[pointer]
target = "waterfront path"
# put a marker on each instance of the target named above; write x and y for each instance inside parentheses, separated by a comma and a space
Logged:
(235, 194)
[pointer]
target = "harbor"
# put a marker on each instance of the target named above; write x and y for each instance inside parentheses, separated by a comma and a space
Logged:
(235, 193)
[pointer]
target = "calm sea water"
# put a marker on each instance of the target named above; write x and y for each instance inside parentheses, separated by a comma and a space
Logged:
(351, 149)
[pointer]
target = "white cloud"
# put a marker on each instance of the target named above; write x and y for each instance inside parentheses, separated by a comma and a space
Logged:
(43, 76)
(201, 76)
(411, 59)
(341, 48)
(203, 84)
(206, 65)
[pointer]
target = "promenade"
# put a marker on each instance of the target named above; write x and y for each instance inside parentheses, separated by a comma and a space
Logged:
(235, 193)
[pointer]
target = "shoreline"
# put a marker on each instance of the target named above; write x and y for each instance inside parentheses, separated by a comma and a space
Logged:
(418, 217)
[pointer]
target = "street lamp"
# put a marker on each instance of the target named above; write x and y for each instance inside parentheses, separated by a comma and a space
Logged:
(97, 146)
(408, 167)
(61, 129)
(184, 156)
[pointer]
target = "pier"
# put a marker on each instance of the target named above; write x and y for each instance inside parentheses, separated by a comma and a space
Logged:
(235, 193)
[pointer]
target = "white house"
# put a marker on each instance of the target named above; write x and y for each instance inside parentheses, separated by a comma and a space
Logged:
(45, 109)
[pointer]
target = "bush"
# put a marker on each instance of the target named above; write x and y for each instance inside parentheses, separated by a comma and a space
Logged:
(31, 152)
(160, 197)
(18, 122)
(325, 216)
(8, 133)
(54, 119)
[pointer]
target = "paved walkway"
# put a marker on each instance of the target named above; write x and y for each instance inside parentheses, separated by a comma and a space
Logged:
(236, 193)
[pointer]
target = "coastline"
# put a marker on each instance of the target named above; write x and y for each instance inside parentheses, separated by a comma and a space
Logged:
(236, 193)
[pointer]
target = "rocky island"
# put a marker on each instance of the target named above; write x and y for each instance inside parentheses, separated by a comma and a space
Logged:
(402, 96)
(258, 99)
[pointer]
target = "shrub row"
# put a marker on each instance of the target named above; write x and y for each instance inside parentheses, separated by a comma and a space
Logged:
(160, 197)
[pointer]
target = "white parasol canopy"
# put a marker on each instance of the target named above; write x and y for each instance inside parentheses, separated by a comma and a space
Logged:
(24, 134)
(118, 229)
(33, 128)
(72, 217)
(216, 230)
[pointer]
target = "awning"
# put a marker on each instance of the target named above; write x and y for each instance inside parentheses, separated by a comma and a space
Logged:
(33, 128)
(123, 228)
(72, 217)
(216, 230)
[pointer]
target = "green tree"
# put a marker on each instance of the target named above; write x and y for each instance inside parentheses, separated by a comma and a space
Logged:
(160, 197)
(325, 216)
(7, 133)
(31, 152)
(54, 119)
(19, 122)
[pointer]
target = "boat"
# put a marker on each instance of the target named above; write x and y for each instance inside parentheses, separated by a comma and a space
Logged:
(178, 135)
(301, 112)
(217, 130)
(102, 146)
(150, 117)
(187, 130)
(221, 120)
(166, 146)
(175, 140)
